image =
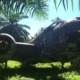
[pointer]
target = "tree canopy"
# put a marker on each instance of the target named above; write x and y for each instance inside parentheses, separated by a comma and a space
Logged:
(33, 8)
(12, 27)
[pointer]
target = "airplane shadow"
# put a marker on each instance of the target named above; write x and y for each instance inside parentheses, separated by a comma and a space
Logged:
(33, 72)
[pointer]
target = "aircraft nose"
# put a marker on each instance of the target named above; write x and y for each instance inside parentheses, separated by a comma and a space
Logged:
(7, 46)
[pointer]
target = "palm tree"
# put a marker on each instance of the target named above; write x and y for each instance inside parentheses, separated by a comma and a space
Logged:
(12, 27)
(31, 8)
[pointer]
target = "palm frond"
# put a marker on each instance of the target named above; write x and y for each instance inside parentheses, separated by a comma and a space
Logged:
(65, 4)
(21, 30)
(21, 6)
(72, 5)
(3, 21)
(22, 17)
(24, 31)
(55, 4)
(39, 10)
(23, 26)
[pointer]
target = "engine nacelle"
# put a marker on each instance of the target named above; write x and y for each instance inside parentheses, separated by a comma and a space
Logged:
(7, 46)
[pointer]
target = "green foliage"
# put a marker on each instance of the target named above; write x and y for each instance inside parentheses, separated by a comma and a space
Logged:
(13, 64)
(55, 4)
(76, 63)
(65, 4)
(70, 75)
(37, 8)
(79, 4)
(11, 13)
(38, 32)
(33, 8)
(11, 26)
(44, 71)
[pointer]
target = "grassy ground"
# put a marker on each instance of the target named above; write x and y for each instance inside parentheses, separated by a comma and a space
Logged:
(39, 71)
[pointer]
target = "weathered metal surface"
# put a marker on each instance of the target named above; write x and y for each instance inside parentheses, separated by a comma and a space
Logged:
(7, 47)
(53, 43)
(24, 52)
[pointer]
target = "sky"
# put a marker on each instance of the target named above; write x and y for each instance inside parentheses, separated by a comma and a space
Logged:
(36, 24)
